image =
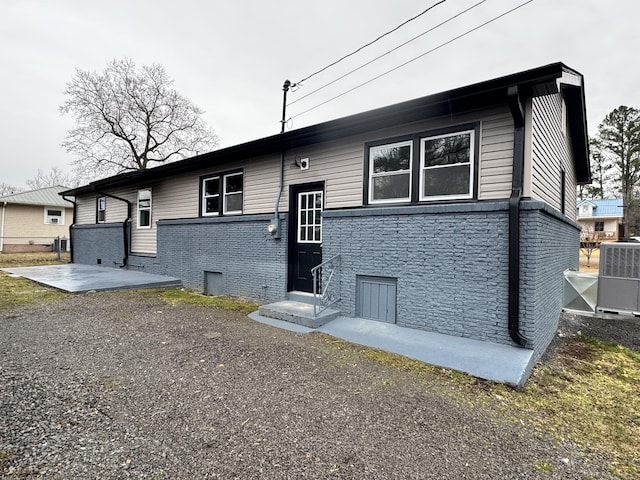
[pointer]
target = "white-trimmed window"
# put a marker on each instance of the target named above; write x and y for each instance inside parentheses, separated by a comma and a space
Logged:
(222, 194)
(390, 172)
(447, 166)
(232, 202)
(144, 208)
(586, 209)
(101, 209)
(211, 196)
(53, 216)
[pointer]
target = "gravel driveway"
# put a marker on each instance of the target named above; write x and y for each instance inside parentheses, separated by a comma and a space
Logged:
(116, 385)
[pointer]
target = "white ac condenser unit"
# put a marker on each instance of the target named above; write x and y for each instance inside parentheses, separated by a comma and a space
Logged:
(619, 278)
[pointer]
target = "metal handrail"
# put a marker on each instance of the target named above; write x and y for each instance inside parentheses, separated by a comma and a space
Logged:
(326, 300)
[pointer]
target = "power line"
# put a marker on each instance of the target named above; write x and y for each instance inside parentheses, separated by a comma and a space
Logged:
(371, 42)
(387, 53)
(415, 58)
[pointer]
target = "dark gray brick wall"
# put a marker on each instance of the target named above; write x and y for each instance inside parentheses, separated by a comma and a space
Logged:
(550, 247)
(253, 264)
(450, 261)
(100, 241)
(451, 265)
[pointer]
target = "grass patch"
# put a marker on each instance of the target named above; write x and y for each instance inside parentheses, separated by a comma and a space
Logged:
(16, 291)
(592, 398)
(9, 260)
(6, 457)
(181, 296)
(543, 467)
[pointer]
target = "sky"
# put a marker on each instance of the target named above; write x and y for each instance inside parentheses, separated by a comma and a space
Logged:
(231, 58)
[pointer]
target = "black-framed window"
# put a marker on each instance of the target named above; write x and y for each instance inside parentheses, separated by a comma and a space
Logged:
(437, 165)
(222, 194)
(599, 227)
(101, 209)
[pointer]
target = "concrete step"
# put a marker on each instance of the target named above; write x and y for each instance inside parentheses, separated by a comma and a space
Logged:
(298, 313)
(302, 297)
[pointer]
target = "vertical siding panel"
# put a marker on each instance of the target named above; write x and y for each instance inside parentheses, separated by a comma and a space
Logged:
(550, 153)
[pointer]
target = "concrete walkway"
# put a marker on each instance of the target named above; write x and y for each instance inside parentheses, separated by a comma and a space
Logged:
(78, 278)
(491, 361)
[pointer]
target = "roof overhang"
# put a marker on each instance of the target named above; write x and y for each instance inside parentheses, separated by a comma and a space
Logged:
(536, 82)
(571, 84)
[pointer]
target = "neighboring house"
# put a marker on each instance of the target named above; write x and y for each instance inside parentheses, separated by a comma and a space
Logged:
(32, 221)
(603, 217)
(452, 213)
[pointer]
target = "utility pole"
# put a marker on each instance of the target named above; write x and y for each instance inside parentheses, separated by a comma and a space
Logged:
(285, 89)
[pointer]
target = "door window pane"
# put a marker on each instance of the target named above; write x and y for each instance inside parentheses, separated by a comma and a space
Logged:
(310, 217)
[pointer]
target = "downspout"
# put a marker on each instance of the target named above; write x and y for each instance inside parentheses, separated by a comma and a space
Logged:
(274, 228)
(517, 112)
(125, 236)
(73, 222)
(4, 208)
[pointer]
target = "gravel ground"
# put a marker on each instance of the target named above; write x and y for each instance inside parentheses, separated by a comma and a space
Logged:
(115, 385)
(620, 329)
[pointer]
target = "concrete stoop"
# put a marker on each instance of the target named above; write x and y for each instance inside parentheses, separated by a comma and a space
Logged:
(298, 313)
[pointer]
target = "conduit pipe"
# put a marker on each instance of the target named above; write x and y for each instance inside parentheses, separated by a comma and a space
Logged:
(275, 225)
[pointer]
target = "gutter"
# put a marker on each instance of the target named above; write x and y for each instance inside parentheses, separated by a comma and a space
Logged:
(517, 112)
(73, 222)
(4, 208)
(125, 236)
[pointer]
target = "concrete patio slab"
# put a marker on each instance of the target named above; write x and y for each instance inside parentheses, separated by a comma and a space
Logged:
(491, 361)
(77, 278)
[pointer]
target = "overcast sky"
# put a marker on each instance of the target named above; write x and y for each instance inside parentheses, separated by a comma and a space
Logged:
(232, 57)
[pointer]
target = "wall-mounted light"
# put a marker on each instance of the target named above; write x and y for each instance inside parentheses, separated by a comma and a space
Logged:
(272, 228)
(301, 163)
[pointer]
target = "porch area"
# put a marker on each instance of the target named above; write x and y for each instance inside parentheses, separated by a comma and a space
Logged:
(77, 278)
(491, 361)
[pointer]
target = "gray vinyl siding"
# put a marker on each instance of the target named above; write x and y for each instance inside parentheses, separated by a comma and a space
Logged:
(496, 157)
(339, 164)
(85, 210)
(550, 153)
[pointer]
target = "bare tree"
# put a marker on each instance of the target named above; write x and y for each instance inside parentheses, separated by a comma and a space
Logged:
(55, 176)
(6, 189)
(130, 118)
(589, 242)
